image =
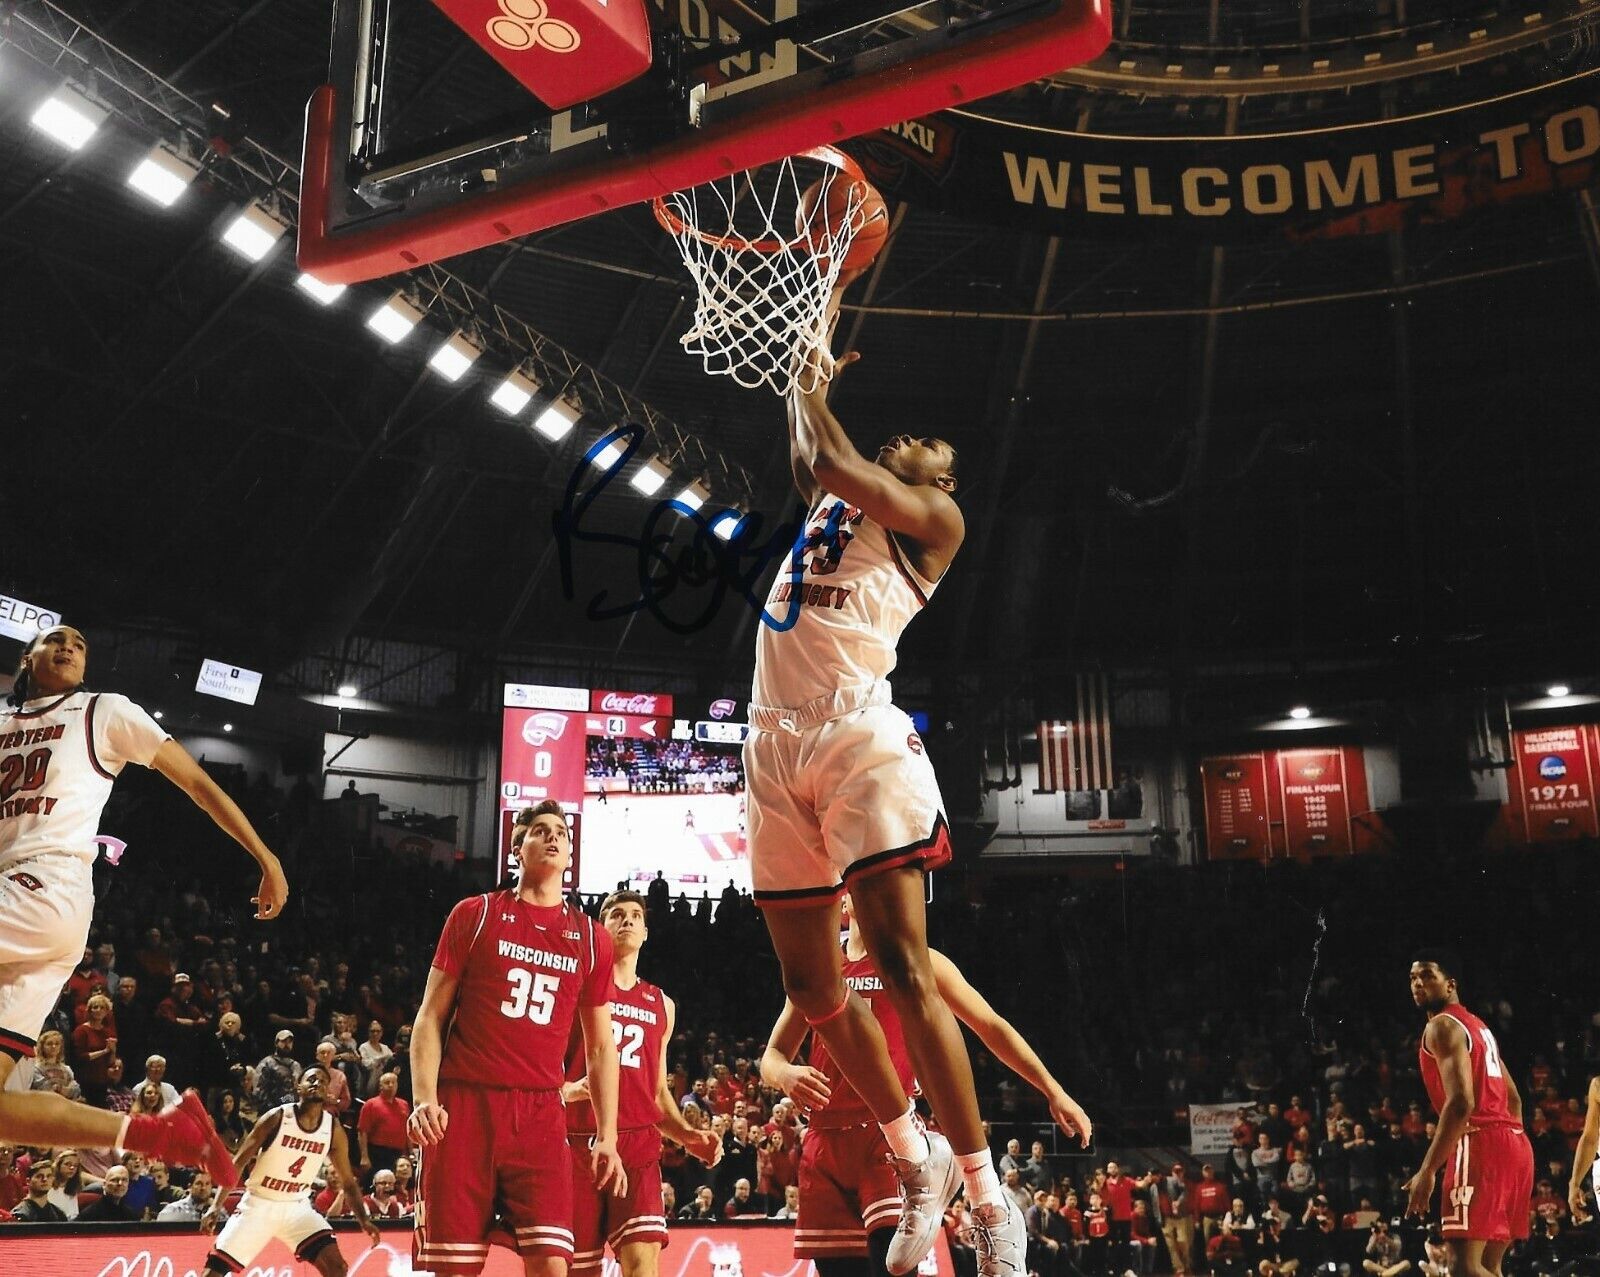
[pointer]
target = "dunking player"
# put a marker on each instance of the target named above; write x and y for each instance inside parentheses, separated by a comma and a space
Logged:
(841, 793)
(847, 1192)
(1479, 1142)
(514, 969)
(1584, 1165)
(642, 1018)
(61, 748)
(288, 1145)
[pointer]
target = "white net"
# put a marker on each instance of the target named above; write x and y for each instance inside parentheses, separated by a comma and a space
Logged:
(762, 283)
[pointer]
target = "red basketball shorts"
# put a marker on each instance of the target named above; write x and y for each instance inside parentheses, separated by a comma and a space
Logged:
(505, 1148)
(847, 1189)
(600, 1217)
(1487, 1183)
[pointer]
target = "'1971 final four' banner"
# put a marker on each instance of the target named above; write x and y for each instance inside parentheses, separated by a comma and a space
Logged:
(1354, 179)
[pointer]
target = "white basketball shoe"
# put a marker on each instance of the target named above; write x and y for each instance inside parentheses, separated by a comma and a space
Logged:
(926, 1188)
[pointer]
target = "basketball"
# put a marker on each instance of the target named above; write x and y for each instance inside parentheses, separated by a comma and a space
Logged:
(821, 217)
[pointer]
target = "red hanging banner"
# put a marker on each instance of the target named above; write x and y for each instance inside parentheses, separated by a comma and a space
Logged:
(1555, 776)
(1316, 802)
(1235, 791)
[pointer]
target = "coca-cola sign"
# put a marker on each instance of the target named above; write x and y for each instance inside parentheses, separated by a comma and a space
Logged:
(651, 704)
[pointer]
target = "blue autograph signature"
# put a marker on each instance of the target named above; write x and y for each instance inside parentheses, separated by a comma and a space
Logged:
(670, 572)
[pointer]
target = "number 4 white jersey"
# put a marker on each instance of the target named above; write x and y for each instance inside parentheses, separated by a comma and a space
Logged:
(292, 1159)
(834, 615)
(58, 758)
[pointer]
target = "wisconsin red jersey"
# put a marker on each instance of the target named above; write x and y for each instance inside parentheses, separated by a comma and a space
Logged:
(845, 1107)
(639, 1024)
(1488, 1074)
(524, 970)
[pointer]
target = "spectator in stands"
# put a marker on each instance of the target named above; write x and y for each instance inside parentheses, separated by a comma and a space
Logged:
(1241, 1170)
(744, 1204)
(249, 1097)
(405, 1188)
(338, 1087)
(375, 1057)
(1383, 1253)
(184, 1025)
(703, 1209)
(166, 1191)
(738, 1156)
(299, 1007)
(791, 1203)
(153, 960)
(118, 1098)
(1097, 1235)
(381, 1128)
(1361, 1160)
(1117, 1192)
(224, 1057)
(1268, 1164)
(13, 1184)
(1019, 1193)
(1435, 1254)
(135, 1031)
(777, 1162)
(1038, 1173)
(381, 1201)
(1225, 1251)
(105, 964)
(1012, 1159)
(192, 1206)
(1142, 1240)
(94, 1047)
(142, 1189)
(1273, 1256)
(1299, 1179)
(347, 1053)
(1046, 1253)
(36, 1207)
(51, 1072)
(69, 1180)
(1211, 1202)
(278, 1074)
(231, 1126)
(155, 1074)
(1177, 1221)
(112, 1204)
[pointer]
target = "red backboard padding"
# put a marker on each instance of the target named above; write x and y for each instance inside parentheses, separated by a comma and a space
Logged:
(963, 72)
(561, 51)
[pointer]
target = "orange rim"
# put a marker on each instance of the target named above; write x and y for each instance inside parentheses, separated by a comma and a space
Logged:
(675, 225)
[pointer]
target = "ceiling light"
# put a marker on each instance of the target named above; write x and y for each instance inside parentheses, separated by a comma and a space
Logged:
(327, 294)
(694, 494)
(253, 233)
(649, 478)
(68, 117)
(394, 320)
(227, 727)
(558, 419)
(515, 393)
(162, 177)
(1558, 690)
(454, 357)
(157, 715)
(727, 523)
(347, 690)
(606, 451)
(1300, 711)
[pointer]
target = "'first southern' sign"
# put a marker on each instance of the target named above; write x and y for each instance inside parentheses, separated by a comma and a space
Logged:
(228, 681)
(22, 621)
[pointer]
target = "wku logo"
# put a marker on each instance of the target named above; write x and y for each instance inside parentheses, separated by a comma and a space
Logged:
(527, 24)
(543, 727)
(723, 708)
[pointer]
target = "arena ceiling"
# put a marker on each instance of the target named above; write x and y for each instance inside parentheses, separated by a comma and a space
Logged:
(1173, 453)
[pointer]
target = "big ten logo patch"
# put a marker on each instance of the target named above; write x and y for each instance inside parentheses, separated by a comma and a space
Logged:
(527, 24)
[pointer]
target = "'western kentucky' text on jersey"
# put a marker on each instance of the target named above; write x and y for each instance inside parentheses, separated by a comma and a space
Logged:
(58, 758)
(292, 1158)
(639, 1024)
(851, 591)
(845, 1107)
(1490, 1106)
(524, 970)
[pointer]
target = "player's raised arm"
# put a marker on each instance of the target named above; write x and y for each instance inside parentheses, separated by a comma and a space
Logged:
(1008, 1046)
(705, 1144)
(339, 1155)
(803, 1084)
(1588, 1147)
(174, 762)
(604, 1074)
(1446, 1040)
(428, 1118)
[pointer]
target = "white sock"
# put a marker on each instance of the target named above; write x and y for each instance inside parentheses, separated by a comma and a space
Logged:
(905, 1137)
(979, 1179)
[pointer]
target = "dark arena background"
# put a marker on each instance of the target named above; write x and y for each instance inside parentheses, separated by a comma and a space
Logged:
(1269, 342)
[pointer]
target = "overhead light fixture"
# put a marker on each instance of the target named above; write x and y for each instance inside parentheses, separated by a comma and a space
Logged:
(347, 690)
(454, 357)
(227, 727)
(69, 117)
(651, 476)
(1558, 690)
(515, 393)
(727, 523)
(162, 177)
(694, 494)
(253, 233)
(607, 451)
(326, 294)
(394, 320)
(1299, 712)
(556, 421)
(157, 715)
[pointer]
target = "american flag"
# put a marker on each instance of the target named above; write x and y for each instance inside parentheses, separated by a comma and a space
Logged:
(1075, 753)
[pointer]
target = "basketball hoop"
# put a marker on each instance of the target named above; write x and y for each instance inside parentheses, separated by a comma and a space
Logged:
(762, 274)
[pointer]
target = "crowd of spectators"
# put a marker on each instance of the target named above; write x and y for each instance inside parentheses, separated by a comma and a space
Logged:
(1149, 988)
(664, 766)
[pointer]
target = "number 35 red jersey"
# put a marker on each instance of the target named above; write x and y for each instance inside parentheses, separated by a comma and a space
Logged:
(1490, 1106)
(524, 970)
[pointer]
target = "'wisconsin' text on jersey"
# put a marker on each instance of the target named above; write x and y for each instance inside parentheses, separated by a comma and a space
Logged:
(538, 957)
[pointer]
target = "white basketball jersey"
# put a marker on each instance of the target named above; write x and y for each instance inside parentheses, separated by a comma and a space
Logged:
(834, 616)
(293, 1158)
(58, 758)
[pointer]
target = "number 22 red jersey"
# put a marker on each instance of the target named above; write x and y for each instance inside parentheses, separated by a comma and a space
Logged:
(524, 970)
(1491, 1106)
(639, 1024)
(845, 1106)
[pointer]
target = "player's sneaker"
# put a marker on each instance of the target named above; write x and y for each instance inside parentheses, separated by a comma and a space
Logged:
(183, 1135)
(1001, 1238)
(926, 1188)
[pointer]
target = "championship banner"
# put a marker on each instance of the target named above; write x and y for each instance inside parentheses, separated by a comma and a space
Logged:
(1235, 792)
(1353, 179)
(1555, 775)
(1316, 802)
(1211, 1126)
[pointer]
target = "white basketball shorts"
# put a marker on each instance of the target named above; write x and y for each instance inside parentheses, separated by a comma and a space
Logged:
(46, 903)
(257, 1220)
(839, 788)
